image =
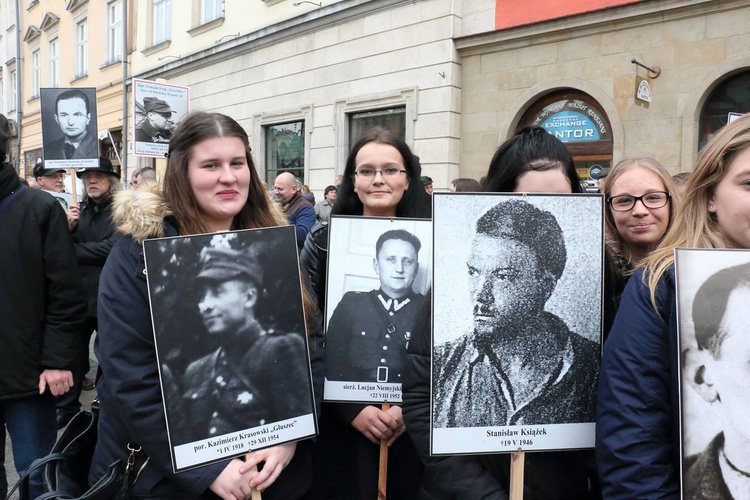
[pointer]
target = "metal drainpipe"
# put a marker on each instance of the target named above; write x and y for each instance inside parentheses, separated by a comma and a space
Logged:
(124, 157)
(19, 87)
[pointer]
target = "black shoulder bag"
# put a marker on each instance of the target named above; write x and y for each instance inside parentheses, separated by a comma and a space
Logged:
(66, 468)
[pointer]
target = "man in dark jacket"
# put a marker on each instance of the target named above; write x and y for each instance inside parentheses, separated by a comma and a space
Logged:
(94, 235)
(42, 306)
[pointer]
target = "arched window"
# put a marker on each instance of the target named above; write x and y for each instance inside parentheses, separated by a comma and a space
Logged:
(732, 96)
(576, 119)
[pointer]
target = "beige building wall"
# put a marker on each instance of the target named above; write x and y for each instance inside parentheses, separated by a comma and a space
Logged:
(695, 44)
(317, 65)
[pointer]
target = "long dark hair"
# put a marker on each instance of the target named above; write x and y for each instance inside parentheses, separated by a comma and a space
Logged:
(415, 202)
(194, 128)
(530, 149)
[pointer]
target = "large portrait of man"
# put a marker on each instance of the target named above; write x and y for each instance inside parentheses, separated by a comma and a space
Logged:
(370, 320)
(69, 133)
(517, 359)
(713, 291)
(237, 368)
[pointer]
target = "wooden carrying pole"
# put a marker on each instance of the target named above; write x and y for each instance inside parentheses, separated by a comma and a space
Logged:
(383, 468)
(517, 459)
(255, 494)
(73, 184)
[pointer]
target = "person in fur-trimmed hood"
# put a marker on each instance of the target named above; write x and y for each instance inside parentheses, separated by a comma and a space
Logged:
(210, 184)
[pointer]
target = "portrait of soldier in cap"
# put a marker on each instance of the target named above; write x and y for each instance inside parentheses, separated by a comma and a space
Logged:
(248, 375)
(157, 126)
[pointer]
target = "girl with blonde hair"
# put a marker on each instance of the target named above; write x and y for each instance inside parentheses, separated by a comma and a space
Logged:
(638, 425)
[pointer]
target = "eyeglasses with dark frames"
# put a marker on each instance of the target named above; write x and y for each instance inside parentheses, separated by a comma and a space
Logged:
(367, 172)
(625, 202)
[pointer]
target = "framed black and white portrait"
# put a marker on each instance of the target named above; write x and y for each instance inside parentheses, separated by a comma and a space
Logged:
(378, 272)
(157, 108)
(69, 128)
(517, 321)
(713, 294)
(229, 328)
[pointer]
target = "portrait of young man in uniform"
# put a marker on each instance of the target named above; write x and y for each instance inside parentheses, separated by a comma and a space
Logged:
(369, 332)
(715, 366)
(519, 364)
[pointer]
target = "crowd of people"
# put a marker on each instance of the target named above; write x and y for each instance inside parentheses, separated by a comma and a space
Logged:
(71, 269)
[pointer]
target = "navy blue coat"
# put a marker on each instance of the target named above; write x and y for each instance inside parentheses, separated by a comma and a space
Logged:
(637, 428)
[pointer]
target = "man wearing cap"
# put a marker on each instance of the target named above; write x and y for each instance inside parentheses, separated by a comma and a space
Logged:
(42, 310)
(158, 124)
(253, 376)
(519, 365)
(72, 116)
(299, 211)
(427, 184)
(51, 181)
(93, 235)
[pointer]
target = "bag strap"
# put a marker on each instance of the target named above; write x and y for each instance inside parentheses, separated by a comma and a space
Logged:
(23, 481)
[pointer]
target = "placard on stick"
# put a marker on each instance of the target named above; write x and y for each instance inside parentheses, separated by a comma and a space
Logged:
(517, 321)
(230, 339)
(69, 128)
(378, 272)
(158, 108)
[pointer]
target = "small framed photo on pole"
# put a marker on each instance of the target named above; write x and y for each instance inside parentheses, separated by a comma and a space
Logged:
(517, 321)
(69, 128)
(229, 328)
(378, 272)
(713, 293)
(158, 109)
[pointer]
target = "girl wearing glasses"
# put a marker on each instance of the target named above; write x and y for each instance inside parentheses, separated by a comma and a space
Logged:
(638, 429)
(640, 197)
(381, 179)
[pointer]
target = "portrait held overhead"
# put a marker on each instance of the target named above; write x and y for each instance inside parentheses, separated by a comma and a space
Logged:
(369, 327)
(69, 128)
(157, 110)
(512, 346)
(247, 369)
(713, 290)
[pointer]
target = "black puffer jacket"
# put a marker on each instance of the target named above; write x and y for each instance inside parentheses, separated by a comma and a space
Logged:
(42, 302)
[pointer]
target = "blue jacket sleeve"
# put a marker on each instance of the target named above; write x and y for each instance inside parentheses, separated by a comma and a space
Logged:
(636, 413)
(304, 221)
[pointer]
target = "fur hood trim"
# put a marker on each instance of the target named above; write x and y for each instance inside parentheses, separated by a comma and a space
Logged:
(140, 213)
